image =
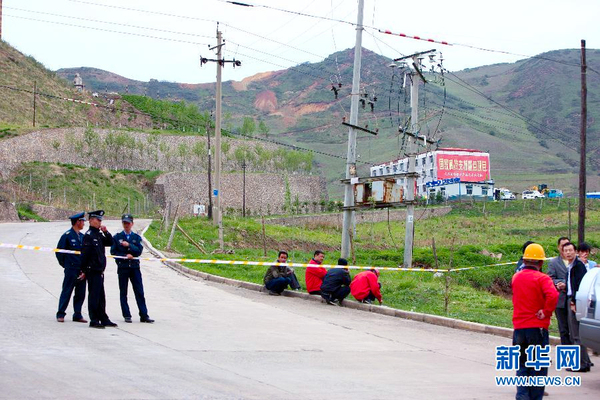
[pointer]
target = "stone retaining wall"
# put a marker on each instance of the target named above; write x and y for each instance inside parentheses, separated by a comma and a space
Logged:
(264, 192)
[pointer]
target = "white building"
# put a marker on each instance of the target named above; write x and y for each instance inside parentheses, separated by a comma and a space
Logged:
(451, 173)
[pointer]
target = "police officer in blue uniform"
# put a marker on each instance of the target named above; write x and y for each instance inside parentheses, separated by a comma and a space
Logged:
(93, 264)
(128, 244)
(74, 278)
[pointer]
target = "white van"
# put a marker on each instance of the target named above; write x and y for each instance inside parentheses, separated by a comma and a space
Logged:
(588, 312)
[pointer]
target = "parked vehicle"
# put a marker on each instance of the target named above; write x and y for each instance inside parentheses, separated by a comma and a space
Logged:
(554, 194)
(506, 194)
(531, 194)
(588, 312)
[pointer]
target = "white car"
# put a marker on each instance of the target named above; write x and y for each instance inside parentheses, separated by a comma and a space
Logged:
(506, 194)
(588, 312)
(531, 194)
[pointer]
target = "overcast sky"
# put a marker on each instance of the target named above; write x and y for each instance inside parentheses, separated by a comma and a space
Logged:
(265, 39)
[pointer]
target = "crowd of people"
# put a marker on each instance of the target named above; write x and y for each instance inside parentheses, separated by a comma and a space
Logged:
(89, 266)
(333, 285)
(537, 295)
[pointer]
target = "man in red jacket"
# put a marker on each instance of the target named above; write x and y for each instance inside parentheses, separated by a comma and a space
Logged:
(365, 287)
(314, 275)
(534, 300)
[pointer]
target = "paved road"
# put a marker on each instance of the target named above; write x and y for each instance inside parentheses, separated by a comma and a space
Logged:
(213, 341)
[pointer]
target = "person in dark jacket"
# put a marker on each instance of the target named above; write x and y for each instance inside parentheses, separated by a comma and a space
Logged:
(577, 271)
(128, 244)
(74, 279)
(557, 270)
(279, 277)
(336, 284)
(93, 264)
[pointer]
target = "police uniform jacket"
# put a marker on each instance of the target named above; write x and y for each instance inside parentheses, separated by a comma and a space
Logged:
(70, 240)
(93, 257)
(135, 249)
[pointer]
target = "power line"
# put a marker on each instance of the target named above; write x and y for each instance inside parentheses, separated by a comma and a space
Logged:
(107, 30)
(108, 22)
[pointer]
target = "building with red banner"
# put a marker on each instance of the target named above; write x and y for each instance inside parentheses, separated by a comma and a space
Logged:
(446, 173)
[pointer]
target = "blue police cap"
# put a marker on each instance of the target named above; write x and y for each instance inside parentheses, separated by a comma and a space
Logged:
(96, 214)
(127, 218)
(77, 217)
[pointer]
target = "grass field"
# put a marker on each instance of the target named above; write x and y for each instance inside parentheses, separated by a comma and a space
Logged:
(463, 238)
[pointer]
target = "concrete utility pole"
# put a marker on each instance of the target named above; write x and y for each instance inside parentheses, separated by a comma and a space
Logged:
(218, 218)
(411, 153)
(0, 19)
(582, 151)
(209, 170)
(217, 211)
(412, 158)
(349, 223)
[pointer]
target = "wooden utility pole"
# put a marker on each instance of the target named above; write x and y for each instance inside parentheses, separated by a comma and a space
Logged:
(244, 188)
(349, 222)
(34, 100)
(582, 149)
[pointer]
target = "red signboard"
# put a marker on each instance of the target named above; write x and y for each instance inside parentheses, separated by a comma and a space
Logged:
(466, 167)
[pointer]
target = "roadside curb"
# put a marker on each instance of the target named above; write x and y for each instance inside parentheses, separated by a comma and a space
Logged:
(384, 310)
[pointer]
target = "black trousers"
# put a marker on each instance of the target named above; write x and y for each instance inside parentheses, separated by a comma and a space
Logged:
(70, 283)
(135, 276)
(338, 294)
(96, 297)
(562, 316)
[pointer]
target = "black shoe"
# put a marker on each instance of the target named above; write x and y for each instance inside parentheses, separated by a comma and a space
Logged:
(128, 320)
(110, 324)
(147, 320)
(96, 325)
(367, 301)
(272, 293)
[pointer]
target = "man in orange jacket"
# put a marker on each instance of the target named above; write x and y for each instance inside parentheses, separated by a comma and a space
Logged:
(314, 275)
(366, 288)
(534, 301)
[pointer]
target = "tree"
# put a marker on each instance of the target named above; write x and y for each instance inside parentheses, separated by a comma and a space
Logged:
(248, 126)
(263, 128)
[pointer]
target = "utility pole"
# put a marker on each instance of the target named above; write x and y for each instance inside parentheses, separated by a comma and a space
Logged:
(244, 189)
(411, 153)
(217, 212)
(34, 96)
(209, 168)
(0, 20)
(582, 150)
(349, 222)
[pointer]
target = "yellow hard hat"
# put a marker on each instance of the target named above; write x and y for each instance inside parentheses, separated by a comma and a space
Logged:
(534, 252)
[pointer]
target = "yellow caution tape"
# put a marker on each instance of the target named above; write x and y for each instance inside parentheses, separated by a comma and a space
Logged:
(257, 263)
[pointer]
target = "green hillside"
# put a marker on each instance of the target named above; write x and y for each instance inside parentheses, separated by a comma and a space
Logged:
(526, 114)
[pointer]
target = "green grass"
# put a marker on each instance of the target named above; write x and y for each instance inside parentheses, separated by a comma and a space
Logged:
(479, 295)
(26, 213)
(75, 187)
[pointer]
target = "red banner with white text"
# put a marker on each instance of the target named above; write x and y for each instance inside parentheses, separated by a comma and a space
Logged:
(467, 168)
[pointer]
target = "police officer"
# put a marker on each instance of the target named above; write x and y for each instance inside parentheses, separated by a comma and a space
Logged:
(74, 278)
(93, 264)
(128, 244)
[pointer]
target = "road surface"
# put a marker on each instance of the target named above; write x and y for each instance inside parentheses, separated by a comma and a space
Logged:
(215, 341)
